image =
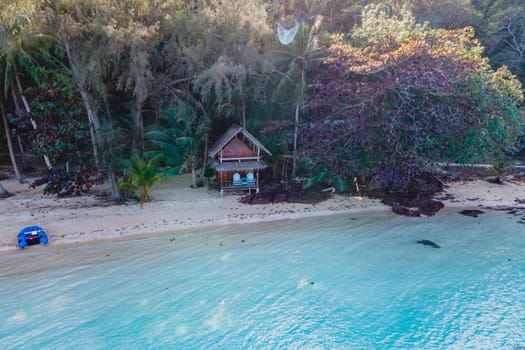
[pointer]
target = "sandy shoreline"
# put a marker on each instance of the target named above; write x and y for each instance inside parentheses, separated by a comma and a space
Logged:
(177, 207)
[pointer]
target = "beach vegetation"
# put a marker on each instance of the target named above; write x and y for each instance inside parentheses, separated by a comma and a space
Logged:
(65, 182)
(342, 92)
(394, 104)
(292, 62)
(142, 175)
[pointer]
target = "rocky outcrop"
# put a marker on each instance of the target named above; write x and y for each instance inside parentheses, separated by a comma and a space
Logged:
(415, 206)
(471, 212)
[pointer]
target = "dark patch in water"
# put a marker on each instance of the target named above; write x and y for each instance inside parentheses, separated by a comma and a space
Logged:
(429, 243)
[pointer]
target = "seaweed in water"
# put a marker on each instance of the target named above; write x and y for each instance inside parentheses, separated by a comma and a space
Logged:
(429, 243)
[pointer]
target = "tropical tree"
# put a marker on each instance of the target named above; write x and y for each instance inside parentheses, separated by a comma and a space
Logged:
(502, 32)
(298, 54)
(143, 174)
(137, 41)
(218, 46)
(18, 35)
(275, 137)
(63, 131)
(72, 23)
(172, 139)
(191, 163)
(450, 14)
(235, 34)
(380, 27)
(10, 144)
(386, 111)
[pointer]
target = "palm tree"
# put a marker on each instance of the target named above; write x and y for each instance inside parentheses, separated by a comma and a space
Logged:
(17, 33)
(142, 176)
(300, 41)
(10, 144)
(70, 26)
(191, 162)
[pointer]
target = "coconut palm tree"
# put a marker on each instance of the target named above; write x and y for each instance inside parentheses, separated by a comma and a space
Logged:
(142, 176)
(10, 144)
(299, 52)
(17, 36)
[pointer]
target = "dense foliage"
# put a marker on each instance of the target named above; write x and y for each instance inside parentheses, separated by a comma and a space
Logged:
(404, 83)
(387, 110)
(64, 182)
(62, 132)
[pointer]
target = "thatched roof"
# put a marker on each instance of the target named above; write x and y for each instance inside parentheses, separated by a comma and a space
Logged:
(238, 166)
(232, 132)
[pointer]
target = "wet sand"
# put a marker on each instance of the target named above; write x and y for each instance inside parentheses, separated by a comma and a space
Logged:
(175, 206)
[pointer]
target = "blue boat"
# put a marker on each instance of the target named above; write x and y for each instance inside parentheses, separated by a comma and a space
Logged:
(31, 235)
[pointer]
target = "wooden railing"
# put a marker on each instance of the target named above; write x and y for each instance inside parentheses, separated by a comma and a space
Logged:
(241, 186)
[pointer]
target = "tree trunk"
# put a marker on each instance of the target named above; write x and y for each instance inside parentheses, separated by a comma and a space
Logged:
(93, 136)
(112, 178)
(295, 132)
(205, 158)
(94, 122)
(243, 112)
(3, 192)
(10, 145)
(22, 151)
(193, 177)
(137, 146)
(27, 109)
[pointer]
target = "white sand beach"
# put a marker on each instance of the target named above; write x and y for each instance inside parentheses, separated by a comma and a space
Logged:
(177, 207)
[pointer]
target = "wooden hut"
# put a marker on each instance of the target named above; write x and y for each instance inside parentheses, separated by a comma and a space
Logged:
(236, 162)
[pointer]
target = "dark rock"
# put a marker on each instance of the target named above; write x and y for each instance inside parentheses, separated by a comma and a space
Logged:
(414, 206)
(429, 243)
(293, 194)
(279, 197)
(431, 207)
(247, 199)
(307, 197)
(426, 184)
(262, 198)
(495, 180)
(273, 187)
(406, 211)
(471, 212)
(6, 195)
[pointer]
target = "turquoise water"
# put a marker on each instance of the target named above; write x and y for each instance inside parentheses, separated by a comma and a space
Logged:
(339, 282)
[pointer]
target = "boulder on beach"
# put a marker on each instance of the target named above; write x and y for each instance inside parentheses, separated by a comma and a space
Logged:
(471, 212)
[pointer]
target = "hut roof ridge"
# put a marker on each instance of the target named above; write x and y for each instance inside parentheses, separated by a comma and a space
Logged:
(232, 132)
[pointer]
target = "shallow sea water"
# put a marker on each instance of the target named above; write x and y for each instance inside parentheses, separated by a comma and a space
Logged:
(340, 282)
